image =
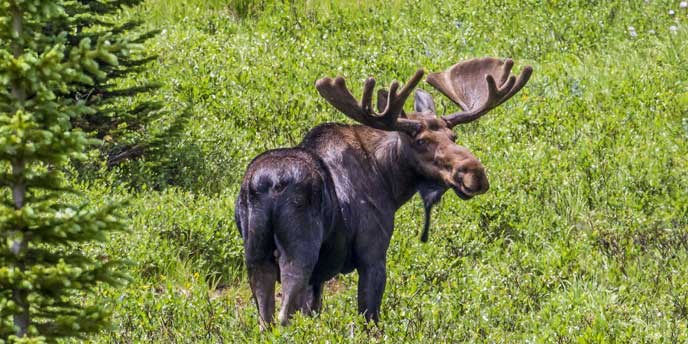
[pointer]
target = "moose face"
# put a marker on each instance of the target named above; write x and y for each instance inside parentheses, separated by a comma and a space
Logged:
(437, 157)
(477, 86)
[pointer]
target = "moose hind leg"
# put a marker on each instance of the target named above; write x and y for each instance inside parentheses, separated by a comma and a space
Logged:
(298, 241)
(294, 289)
(312, 299)
(371, 286)
(262, 277)
(315, 304)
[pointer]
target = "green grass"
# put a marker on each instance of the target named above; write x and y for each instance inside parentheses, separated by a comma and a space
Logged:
(583, 236)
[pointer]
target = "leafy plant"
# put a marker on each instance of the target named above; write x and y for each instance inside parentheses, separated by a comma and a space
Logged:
(581, 237)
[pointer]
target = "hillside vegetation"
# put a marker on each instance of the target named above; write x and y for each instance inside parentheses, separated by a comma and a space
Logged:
(583, 236)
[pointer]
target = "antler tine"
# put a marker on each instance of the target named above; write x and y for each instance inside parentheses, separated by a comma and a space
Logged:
(508, 64)
(411, 84)
(389, 102)
(520, 82)
(367, 97)
(462, 83)
(395, 102)
(336, 93)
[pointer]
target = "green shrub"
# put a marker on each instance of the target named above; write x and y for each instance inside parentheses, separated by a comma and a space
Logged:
(581, 237)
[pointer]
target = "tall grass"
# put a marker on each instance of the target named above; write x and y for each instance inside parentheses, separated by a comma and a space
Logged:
(582, 237)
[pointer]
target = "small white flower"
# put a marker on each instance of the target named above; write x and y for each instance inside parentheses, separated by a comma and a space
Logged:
(683, 5)
(673, 28)
(632, 32)
(672, 13)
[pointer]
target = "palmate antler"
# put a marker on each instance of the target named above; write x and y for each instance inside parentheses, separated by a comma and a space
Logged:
(337, 94)
(478, 86)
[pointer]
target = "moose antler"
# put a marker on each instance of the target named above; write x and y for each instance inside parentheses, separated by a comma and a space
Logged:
(478, 86)
(337, 94)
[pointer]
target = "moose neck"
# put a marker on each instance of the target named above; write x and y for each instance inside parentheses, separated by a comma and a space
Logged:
(388, 152)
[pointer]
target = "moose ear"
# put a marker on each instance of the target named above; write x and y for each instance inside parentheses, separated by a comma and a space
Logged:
(423, 102)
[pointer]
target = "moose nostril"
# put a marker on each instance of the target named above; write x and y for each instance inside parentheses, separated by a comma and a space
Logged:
(471, 188)
(458, 178)
(473, 183)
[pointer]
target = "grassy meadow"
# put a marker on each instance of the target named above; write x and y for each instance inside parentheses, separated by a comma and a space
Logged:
(582, 238)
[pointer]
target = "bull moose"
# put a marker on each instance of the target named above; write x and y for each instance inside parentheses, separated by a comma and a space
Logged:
(327, 206)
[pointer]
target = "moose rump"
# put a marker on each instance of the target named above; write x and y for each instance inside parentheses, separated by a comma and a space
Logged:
(286, 213)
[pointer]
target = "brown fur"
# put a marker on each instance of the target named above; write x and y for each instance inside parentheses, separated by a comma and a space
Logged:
(327, 206)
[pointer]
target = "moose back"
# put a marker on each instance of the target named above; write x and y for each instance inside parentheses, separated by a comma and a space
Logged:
(327, 205)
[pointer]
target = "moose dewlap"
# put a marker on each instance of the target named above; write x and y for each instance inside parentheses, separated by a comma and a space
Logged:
(327, 206)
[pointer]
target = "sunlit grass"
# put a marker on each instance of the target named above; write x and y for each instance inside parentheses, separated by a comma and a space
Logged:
(582, 237)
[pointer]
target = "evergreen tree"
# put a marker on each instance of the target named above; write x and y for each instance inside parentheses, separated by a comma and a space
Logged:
(124, 126)
(123, 116)
(44, 273)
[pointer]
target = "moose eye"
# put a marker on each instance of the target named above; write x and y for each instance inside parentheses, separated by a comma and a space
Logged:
(420, 142)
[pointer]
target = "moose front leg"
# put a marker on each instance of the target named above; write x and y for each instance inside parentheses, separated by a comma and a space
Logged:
(371, 285)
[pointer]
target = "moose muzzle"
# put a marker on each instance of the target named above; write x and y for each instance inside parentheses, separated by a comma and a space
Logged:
(470, 179)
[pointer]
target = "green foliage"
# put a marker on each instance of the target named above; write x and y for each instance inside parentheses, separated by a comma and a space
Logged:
(128, 115)
(44, 273)
(581, 238)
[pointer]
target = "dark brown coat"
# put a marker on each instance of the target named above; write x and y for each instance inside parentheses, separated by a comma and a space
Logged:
(327, 206)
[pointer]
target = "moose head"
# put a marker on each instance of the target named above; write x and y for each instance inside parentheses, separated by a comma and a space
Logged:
(477, 86)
